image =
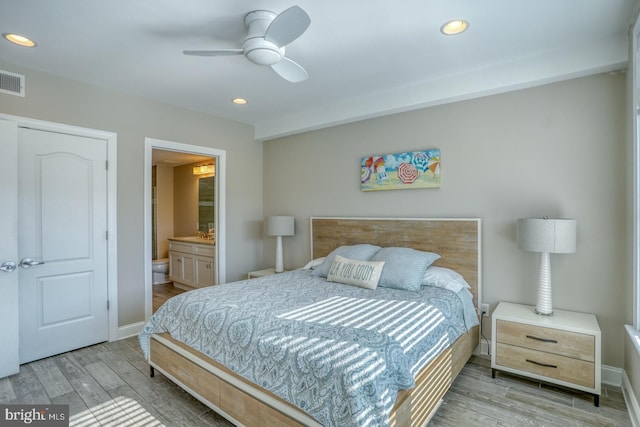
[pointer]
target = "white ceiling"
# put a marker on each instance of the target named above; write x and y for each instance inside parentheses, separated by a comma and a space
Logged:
(365, 58)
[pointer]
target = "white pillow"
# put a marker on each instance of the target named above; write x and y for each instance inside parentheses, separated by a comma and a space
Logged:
(313, 263)
(364, 274)
(362, 251)
(444, 278)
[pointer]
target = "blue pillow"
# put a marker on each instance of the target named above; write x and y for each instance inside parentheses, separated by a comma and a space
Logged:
(403, 267)
(362, 252)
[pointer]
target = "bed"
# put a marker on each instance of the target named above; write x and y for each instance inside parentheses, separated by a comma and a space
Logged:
(268, 400)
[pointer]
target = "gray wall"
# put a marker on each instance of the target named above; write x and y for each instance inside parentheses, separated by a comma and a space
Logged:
(557, 150)
(133, 118)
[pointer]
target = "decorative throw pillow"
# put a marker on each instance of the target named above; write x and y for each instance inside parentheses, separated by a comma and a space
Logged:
(313, 263)
(362, 252)
(364, 274)
(404, 267)
(444, 278)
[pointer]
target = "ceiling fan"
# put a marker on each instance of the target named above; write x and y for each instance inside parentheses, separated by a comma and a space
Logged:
(267, 35)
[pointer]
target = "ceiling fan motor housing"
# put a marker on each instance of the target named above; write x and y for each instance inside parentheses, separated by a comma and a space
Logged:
(255, 47)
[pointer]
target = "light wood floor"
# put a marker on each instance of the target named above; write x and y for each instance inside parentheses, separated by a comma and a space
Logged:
(475, 399)
(109, 385)
(163, 292)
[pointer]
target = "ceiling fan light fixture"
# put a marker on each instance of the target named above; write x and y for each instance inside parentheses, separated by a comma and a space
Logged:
(454, 27)
(239, 101)
(19, 40)
(262, 52)
(264, 56)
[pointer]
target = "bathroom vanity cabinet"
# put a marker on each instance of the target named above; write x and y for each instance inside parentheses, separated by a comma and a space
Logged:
(191, 263)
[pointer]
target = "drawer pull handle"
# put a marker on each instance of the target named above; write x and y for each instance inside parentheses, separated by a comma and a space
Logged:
(546, 365)
(542, 339)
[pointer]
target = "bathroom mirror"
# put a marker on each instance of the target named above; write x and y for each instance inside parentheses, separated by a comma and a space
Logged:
(206, 206)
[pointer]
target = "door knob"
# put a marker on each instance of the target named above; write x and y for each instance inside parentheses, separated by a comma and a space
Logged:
(8, 266)
(28, 262)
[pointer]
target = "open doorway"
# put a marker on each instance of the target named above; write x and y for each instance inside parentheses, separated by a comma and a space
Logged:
(196, 211)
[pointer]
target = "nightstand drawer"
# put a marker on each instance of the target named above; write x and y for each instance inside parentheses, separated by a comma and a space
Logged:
(556, 341)
(549, 365)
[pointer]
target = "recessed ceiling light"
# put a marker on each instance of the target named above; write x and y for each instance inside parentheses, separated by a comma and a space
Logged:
(239, 101)
(19, 40)
(456, 26)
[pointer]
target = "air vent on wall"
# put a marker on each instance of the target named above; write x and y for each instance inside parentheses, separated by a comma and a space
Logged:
(11, 83)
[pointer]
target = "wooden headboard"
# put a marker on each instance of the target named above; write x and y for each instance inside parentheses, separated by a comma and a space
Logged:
(457, 241)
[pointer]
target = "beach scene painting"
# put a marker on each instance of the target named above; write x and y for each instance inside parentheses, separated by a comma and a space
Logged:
(400, 171)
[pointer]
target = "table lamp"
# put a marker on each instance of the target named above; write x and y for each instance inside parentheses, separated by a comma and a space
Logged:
(279, 226)
(546, 236)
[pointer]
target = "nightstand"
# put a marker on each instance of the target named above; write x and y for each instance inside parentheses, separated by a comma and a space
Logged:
(562, 349)
(261, 273)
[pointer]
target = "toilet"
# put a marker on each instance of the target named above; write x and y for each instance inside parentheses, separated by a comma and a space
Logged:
(160, 269)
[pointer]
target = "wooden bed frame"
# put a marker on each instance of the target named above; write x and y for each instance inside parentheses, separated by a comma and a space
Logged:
(244, 403)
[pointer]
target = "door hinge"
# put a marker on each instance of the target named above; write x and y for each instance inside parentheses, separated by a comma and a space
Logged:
(107, 304)
(106, 164)
(106, 235)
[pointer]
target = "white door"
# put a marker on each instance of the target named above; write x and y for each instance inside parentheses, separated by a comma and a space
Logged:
(8, 249)
(62, 241)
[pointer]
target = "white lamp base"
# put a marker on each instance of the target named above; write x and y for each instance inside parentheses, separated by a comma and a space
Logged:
(279, 263)
(544, 306)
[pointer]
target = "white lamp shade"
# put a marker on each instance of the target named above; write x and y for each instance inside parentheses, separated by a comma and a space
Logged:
(279, 226)
(556, 236)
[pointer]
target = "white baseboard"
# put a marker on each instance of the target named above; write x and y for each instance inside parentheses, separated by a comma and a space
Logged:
(484, 348)
(611, 376)
(630, 399)
(130, 330)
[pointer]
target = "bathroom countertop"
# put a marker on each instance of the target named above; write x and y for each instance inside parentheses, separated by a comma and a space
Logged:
(193, 239)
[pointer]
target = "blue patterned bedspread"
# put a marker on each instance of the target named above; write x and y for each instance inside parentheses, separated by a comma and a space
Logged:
(339, 352)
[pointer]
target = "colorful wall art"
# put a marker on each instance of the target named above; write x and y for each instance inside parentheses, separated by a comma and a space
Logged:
(414, 169)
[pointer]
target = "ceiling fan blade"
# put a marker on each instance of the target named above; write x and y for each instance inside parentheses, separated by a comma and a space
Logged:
(287, 26)
(213, 52)
(290, 70)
